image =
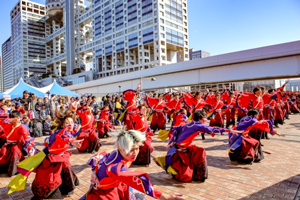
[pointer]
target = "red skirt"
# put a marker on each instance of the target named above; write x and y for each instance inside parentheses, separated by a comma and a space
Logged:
(10, 156)
(158, 121)
(90, 142)
(217, 121)
(230, 117)
(190, 165)
(247, 152)
(256, 134)
(144, 156)
(103, 128)
(240, 115)
(279, 115)
(294, 108)
(128, 122)
(119, 193)
(55, 172)
(287, 107)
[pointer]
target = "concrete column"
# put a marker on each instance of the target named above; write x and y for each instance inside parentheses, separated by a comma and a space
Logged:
(70, 36)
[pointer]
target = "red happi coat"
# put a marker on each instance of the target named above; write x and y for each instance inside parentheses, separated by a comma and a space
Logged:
(158, 117)
(11, 153)
(104, 124)
(269, 105)
(129, 96)
(174, 105)
(217, 119)
(88, 131)
(230, 111)
(193, 102)
(257, 102)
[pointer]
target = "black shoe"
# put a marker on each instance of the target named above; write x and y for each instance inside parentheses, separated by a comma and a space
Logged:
(276, 125)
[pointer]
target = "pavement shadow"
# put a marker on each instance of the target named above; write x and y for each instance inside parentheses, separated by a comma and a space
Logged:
(225, 163)
(217, 147)
(297, 125)
(164, 179)
(79, 168)
(286, 189)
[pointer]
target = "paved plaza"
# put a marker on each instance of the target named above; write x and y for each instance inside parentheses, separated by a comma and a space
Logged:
(276, 177)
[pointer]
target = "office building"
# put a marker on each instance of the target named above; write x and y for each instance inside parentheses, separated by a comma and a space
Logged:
(198, 54)
(1, 76)
(7, 69)
(108, 37)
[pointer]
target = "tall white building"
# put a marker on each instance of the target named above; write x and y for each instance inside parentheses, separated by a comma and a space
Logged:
(119, 36)
(7, 69)
(110, 37)
(28, 39)
(1, 75)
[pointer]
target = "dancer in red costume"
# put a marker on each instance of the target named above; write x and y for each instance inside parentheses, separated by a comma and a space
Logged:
(230, 111)
(3, 116)
(245, 147)
(175, 105)
(103, 123)
(217, 105)
(91, 142)
(52, 167)
(140, 123)
(158, 116)
(195, 102)
(111, 179)
(185, 161)
(129, 96)
(19, 108)
(16, 144)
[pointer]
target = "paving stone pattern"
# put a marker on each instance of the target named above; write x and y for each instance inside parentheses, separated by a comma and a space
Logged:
(276, 177)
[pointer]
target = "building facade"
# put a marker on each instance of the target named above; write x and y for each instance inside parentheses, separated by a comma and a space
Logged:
(119, 36)
(7, 69)
(1, 75)
(109, 37)
(198, 54)
(28, 39)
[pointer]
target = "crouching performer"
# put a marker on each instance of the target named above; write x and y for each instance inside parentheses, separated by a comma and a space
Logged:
(91, 142)
(245, 147)
(16, 143)
(185, 161)
(111, 179)
(51, 165)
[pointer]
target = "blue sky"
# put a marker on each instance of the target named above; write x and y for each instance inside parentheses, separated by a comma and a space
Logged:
(222, 26)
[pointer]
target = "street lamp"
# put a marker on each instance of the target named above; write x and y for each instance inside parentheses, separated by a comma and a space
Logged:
(120, 90)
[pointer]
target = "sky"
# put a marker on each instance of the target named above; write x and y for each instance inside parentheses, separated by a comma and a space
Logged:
(222, 26)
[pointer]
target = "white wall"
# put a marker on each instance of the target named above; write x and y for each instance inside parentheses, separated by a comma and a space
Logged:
(277, 61)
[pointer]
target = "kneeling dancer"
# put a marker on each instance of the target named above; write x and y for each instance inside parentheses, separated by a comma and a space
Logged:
(187, 162)
(51, 165)
(245, 147)
(111, 179)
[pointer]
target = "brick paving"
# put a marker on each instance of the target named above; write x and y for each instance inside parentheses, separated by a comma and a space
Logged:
(276, 177)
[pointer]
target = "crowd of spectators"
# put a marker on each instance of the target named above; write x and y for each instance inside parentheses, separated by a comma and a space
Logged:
(39, 114)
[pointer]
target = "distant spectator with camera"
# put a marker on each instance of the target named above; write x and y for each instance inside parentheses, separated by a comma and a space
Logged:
(53, 105)
(26, 101)
(38, 107)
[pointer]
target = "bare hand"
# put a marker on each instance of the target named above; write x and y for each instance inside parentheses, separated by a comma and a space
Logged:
(77, 143)
(174, 196)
